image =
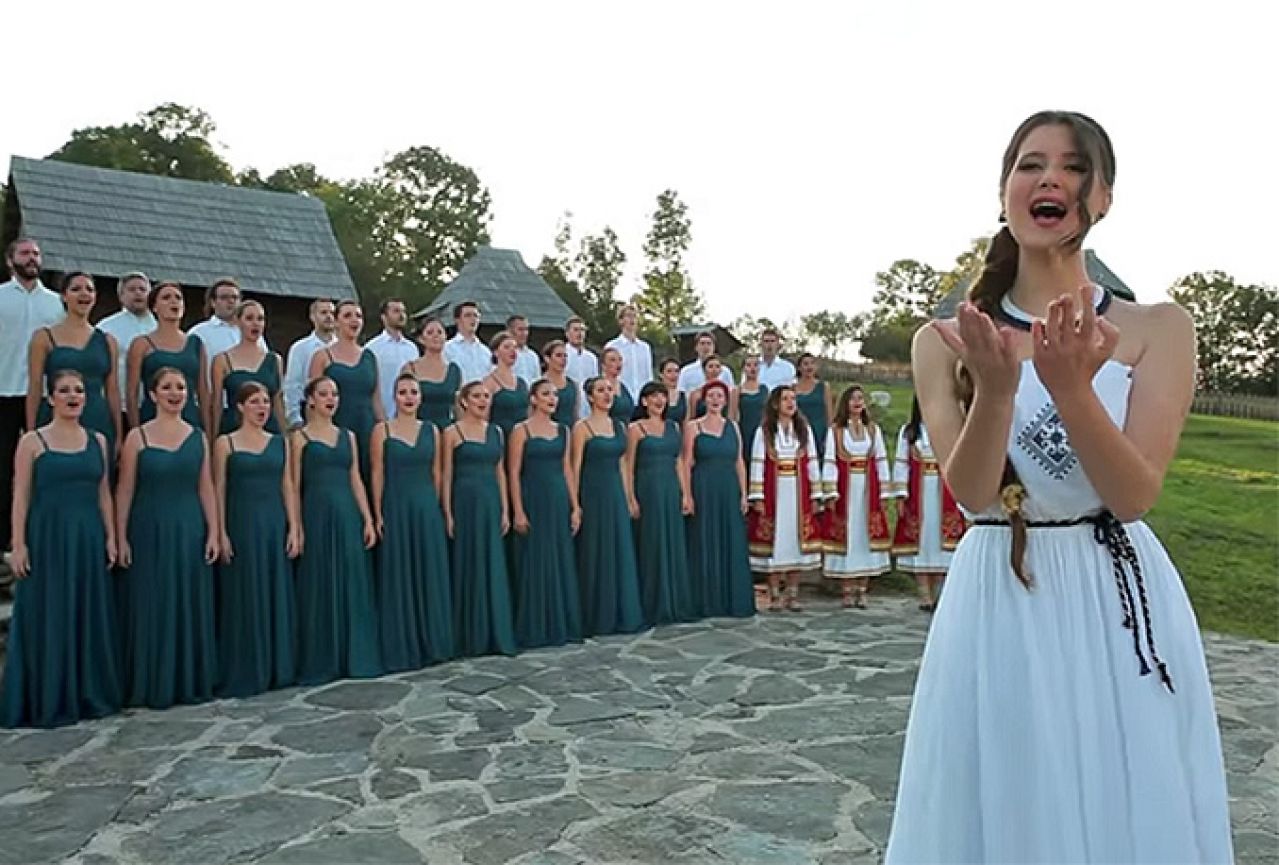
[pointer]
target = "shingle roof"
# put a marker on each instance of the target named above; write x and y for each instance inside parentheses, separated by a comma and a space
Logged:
(1098, 272)
(110, 222)
(503, 285)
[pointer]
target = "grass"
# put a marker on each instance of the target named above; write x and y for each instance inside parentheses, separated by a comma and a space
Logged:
(1218, 516)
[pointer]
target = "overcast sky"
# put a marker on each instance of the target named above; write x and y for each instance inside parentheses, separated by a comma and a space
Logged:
(814, 143)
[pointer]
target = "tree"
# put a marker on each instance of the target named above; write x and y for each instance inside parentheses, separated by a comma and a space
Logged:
(828, 329)
(599, 265)
(669, 298)
(557, 269)
(968, 265)
(1238, 331)
(169, 140)
(888, 341)
(907, 291)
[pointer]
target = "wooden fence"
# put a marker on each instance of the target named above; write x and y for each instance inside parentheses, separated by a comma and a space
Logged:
(1237, 405)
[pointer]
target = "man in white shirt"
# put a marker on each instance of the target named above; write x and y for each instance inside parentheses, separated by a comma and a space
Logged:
(25, 307)
(691, 375)
(774, 371)
(528, 366)
(130, 322)
(300, 354)
(472, 357)
(637, 355)
(392, 350)
(219, 332)
(582, 362)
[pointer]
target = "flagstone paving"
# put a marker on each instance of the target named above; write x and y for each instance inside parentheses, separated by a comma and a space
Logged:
(774, 740)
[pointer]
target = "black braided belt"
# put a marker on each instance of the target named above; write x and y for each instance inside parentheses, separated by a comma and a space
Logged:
(1111, 534)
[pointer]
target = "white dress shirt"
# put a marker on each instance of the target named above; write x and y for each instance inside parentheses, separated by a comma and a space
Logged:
(295, 372)
(773, 375)
(126, 327)
(392, 352)
(22, 313)
(637, 362)
(528, 366)
(219, 336)
(473, 358)
(582, 364)
(692, 376)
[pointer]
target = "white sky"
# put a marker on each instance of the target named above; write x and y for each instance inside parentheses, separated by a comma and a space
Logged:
(814, 143)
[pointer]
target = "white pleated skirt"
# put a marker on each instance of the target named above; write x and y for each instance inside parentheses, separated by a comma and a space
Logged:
(932, 557)
(787, 554)
(1033, 738)
(860, 560)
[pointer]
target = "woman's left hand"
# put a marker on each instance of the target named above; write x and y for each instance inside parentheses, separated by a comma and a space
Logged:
(1070, 348)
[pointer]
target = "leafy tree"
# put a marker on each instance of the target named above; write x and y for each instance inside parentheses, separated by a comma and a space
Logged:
(169, 140)
(599, 264)
(669, 297)
(968, 265)
(1238, 331)
(888, 341)
(907, 291)
(828, 329)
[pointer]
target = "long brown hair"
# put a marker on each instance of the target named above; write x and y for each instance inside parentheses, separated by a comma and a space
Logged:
(999, 273)
(841, 410)
(772, 407)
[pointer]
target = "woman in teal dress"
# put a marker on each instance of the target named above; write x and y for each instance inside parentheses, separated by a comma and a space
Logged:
(61, 663)
(437, 378)
(337, 628)
(747, 406)
(606, 569)
(260, 534)
(166, 346)
(509, 392)
(414, 596)
(244, 362)
(712, 368)
(353, 369)
(661, 498)
(545, 518)
(167, 532)
(717, 550)
(476, 516)
(623, 407)
(676, 400)
(75, 344)
(813, 398)
(567, 392)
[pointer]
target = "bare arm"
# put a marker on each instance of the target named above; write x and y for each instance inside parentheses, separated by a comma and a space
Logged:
(504, 492)
(734, 405)
(451, 438)
(113, 389)
(379, 411)
(133, 386)
(436, 463)
(105, 505)
(221, 453)
(319, 363)
(575, 509)
(633, 435)
(125, 485)
(377, 472)
(690, 436)
(209, 505)
(289, 490)
(281, 417)
(741, 473)
(213, 407)
(579, 447)
(37, 350)
(514, 464)
(23, 460)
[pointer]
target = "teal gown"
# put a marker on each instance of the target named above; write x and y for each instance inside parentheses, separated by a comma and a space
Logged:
(623, 407)
(547, 609)
(256, 607)
(187, 361)
(661, 549)
(61, 665)
(93, 362)
(170, 654)
(678, 410)
(482, 620)
(439, 397)
(566, 409)
(415, 608)
(606, 570)
(337, 630)
(750, 408)
(509, 407)
(357, 389)
(266, 374)
(813, 406)
(719, 561)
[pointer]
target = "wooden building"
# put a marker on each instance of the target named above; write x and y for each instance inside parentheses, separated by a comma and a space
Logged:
(1098, 272)
(278, 246)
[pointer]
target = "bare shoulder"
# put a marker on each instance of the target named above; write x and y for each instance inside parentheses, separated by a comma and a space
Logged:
(1152, 330)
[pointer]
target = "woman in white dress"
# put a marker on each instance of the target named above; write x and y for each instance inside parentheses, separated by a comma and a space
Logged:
(855, 475)
(784, 525)
(1045, 726)
(929, 524)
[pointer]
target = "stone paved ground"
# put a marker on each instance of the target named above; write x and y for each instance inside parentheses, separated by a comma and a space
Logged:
(768, 741)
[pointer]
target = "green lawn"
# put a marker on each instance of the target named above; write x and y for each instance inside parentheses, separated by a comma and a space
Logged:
(1218, 517)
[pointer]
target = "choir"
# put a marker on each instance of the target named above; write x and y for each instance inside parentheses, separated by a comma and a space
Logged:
(376, 528)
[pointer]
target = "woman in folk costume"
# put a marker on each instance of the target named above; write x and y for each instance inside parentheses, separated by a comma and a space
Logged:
(929, 524)
(856, 476)
(1046, 726)
(784, 524)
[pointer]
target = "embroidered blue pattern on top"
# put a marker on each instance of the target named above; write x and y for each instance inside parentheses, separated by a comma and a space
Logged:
(1045, 439)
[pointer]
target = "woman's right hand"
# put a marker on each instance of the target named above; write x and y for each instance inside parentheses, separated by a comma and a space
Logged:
(20, 562)
(521, 523)
(448, 524)
(124, 553)
(988, 352)
(227, 552)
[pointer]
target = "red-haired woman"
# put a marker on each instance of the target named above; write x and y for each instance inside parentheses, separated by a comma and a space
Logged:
(855, 474)
(786, 496)
(61, 662)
